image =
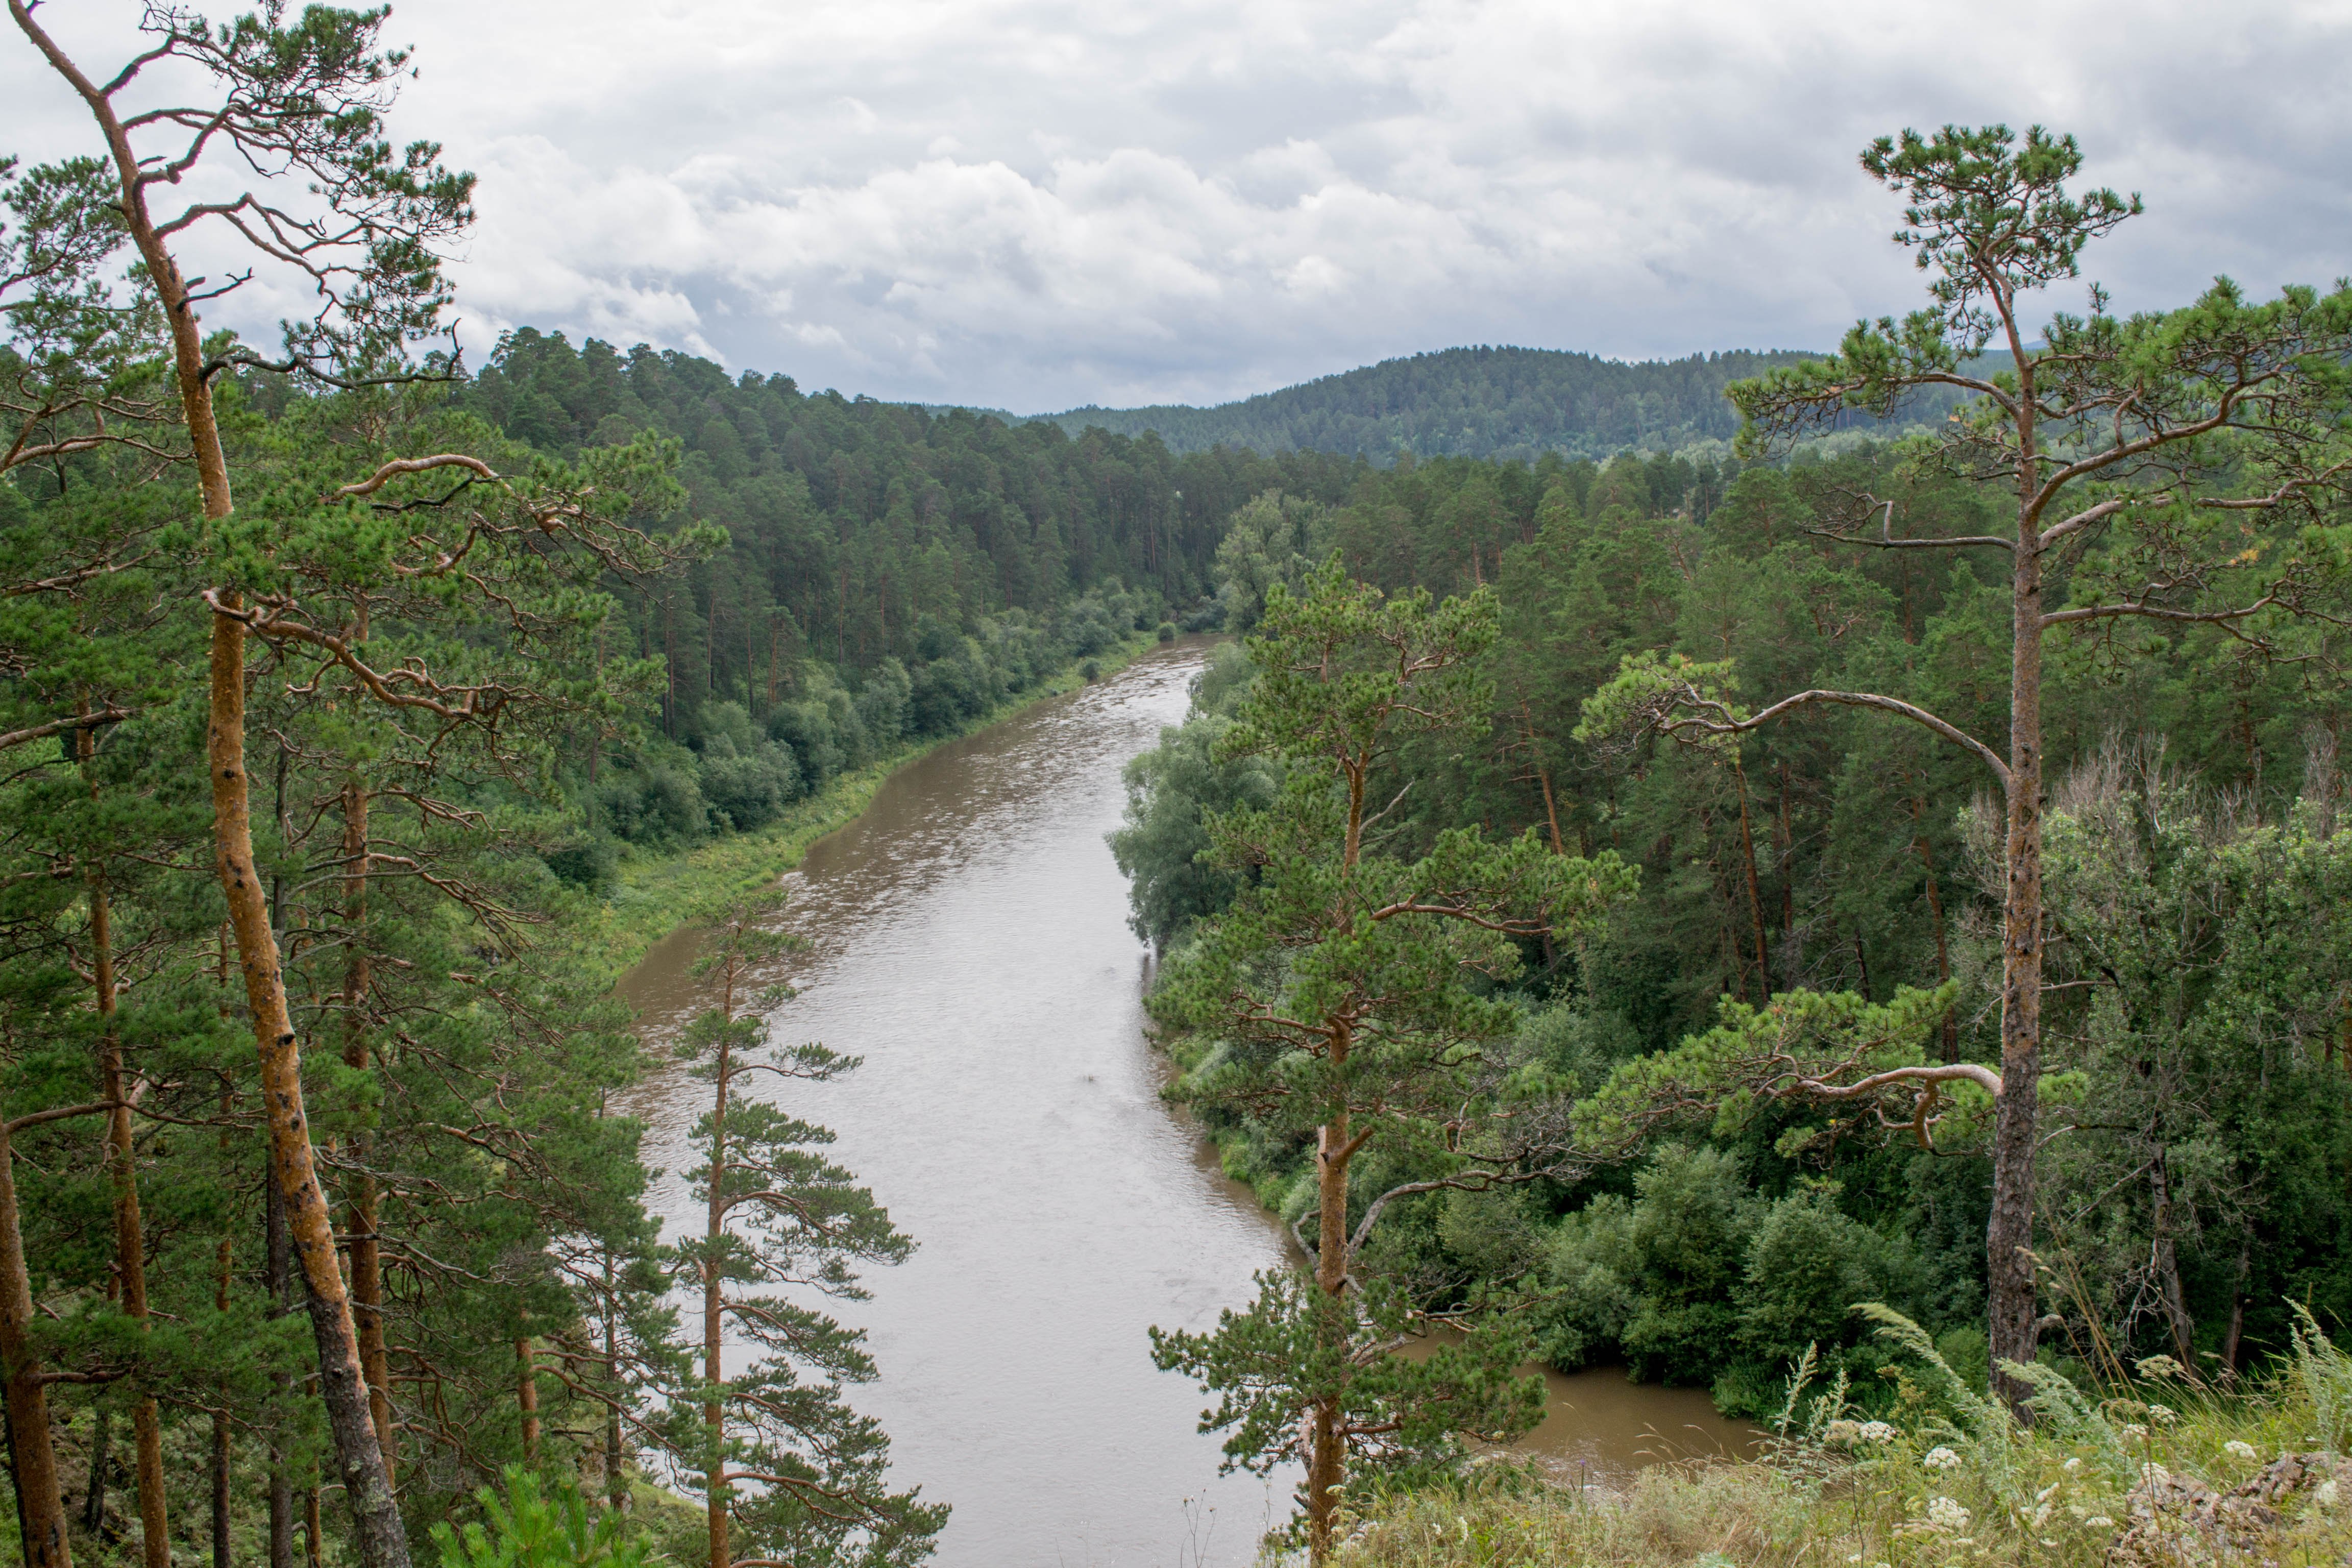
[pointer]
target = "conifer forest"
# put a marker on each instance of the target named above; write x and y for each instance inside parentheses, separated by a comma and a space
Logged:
(1821, 878)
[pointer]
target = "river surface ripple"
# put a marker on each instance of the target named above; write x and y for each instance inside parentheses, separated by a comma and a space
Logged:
(968, 938)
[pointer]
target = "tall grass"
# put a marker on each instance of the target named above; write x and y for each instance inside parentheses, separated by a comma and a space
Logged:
(2105, 1477)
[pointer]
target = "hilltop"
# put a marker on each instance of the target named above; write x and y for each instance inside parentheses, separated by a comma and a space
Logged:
(1482, 401)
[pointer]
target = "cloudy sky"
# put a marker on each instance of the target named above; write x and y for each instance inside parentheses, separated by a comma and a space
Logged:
(1035, 204)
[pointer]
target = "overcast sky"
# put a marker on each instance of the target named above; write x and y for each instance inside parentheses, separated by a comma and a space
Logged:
(1035, 204)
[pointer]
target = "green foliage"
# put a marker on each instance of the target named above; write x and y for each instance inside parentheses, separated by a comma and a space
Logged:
(1173, 794)
(1297, 1348)
(530, 1527)
(2325, 1374)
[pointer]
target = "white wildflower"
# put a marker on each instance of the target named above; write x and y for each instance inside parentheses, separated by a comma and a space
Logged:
(2326, 1496)
(1945, 1513)
(2158, 1366)
(2098, 1521)
(2133, 1431)
(1940, 1459)
(2238, 1448)
(1854, 1557)
(2162, 1414)
(1876, 1431)
(2072, 1465)
(1841, 1431)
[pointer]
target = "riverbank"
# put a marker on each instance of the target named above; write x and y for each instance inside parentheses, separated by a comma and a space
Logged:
(2148, 1472)
(652, 895)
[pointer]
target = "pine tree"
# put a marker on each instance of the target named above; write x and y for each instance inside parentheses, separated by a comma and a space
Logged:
(1336, 996)
(786, 1467)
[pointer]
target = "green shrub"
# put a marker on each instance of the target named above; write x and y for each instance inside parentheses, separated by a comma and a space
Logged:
(533, 1529)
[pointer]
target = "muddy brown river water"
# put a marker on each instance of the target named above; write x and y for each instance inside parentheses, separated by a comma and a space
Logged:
(967, 937)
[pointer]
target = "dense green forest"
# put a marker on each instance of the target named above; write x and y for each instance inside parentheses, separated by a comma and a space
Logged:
(1507, 403)
(1843, 853)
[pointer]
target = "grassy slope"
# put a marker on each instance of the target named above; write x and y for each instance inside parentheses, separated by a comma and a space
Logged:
(655, 894)
(2069, 1494)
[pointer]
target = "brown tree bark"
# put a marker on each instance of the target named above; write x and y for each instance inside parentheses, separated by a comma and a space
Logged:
(527, 1398)
(221, 1557)
(1327, 1453)
(9, 1454)
(1755, 894)
(616, 1486)
(101, 1461)
(130, 1232)
(223, 1254)
(280, 1268)
(361, 1201)
(714, 1303)
(39, 1496)
(382, 1540)
(2012, 1316)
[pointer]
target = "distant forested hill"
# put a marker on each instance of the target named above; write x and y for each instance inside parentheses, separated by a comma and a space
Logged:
(1472, 403)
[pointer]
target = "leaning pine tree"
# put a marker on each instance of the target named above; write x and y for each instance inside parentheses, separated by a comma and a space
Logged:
(1349, 994)
(2182, 472)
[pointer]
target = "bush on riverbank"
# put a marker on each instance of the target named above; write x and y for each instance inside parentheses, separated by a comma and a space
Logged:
(2146, 1471)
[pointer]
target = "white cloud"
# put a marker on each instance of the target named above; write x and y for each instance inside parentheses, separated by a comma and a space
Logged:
(1039, 202)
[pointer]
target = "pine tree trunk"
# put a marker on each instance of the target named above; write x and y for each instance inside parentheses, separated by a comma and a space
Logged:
(101, 1458)
(223, 1254)
(40, 1501)
(526, 1399)
(130, 1232)
(279, 1269)
(1327, 1459)
(616, 1487)
(714, 1409)
(367, 1257)
(222, 1556)
(8, 1454)
(32, 1456)
(2011, 1315)
(377, 1532)
(1755, 894)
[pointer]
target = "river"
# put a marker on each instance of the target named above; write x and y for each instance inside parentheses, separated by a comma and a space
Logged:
(967, 937)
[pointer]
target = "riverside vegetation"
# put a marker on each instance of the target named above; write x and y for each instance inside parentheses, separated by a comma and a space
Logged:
(1569, 999)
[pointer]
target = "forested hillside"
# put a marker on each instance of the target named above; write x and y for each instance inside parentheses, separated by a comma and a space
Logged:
(886, 573)
(1477, 402)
